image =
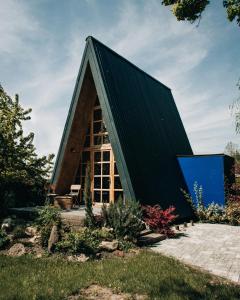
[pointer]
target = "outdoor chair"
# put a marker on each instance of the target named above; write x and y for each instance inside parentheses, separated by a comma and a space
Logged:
(51, 194)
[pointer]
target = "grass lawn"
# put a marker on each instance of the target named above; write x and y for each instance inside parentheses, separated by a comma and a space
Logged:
(147, 273)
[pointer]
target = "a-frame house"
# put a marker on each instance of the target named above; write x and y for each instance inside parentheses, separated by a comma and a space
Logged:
(126, 124)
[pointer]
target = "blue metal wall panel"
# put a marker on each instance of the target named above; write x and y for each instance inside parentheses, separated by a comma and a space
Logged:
(208, 171)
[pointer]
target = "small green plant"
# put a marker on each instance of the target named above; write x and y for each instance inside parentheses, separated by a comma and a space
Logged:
(103, 234)
(84, 241)
(124, 218)
(126, 245)
(90, 218)
(189, 199)
(198, 203)
(48, 216)
(4, 239)
(198, 190)
(212, 213)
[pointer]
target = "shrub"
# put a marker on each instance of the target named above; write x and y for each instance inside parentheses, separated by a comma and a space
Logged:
(124, 218)
(103, 233)
(233, 212)
(159, 220)
(48, 216)
(4, 240)
(84, 241)
(213, 213)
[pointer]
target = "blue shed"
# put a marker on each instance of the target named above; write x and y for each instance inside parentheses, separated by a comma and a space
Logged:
(210, 171)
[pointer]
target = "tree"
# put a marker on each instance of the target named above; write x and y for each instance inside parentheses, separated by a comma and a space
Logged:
(23, 174)
(232, 150)
(191, 10)
(235, 108)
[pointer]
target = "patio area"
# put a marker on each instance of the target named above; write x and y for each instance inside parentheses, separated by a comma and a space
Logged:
(75, 217)
(212, 247)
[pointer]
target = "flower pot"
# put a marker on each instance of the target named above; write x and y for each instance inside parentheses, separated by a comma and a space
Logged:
(64, 202)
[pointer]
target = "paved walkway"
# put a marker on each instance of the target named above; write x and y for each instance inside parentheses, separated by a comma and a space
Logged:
(213, 247)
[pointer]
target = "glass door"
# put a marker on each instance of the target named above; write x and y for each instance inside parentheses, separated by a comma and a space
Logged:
(105, 181)
(101, 176)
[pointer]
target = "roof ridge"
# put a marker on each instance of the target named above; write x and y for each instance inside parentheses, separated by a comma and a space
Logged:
(126, 60)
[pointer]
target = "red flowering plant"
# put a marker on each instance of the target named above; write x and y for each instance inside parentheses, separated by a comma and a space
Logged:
(159, 220)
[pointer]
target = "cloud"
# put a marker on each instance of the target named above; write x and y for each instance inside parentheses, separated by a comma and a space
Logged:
(42, 64)
(17, 25)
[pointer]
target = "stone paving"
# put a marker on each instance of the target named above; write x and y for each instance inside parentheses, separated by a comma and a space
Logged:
(212, 247)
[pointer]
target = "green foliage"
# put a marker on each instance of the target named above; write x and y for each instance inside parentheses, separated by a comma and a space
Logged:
(4, 240)
(213, 213)
(23, 174)
(233, 10)
(103, 234)
(48, 216)
(191, 10)
(90, 219)
(126, 245)
(189, 199)
(84, 241)
(124, 218)
(232, 214)
(198, 190)
(198, 203)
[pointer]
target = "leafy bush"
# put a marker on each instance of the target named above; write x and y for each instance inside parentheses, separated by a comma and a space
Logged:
(4, 240)
(233, 212)
(213, 213)
(48, 216)
(103, 233)
(159, 220)
(123, 218)
(84, 241)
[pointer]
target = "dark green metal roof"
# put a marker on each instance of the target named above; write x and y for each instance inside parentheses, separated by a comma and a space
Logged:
(145, 129)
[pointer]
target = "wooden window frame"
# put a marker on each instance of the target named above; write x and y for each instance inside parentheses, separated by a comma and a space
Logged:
(101, 148)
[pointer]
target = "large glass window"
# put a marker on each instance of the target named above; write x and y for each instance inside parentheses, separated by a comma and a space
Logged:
(105, 181)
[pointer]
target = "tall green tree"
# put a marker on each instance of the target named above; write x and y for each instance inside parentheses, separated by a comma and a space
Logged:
(23, 174)
(191, 10)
